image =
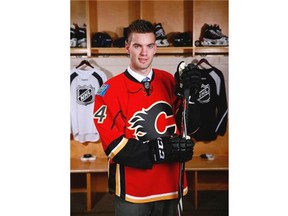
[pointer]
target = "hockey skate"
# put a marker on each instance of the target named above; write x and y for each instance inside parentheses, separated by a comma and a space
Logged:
(81, 36)
(182, 39)
(73, 38)
(161, 38)
(211, 35)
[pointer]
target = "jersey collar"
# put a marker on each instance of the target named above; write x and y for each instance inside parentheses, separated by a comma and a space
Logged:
(137, 76)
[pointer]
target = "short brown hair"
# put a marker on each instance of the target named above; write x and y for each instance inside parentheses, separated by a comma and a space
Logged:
(140, 26)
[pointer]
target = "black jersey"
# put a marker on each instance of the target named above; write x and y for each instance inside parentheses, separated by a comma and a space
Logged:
(212, 108)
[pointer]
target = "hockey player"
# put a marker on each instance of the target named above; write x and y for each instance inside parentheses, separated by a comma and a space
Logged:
(137, 127)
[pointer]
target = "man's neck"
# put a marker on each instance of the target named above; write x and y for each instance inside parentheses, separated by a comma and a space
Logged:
(139, 76)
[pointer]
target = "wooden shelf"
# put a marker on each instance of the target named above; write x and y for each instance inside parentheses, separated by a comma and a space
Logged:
(213, 186)
(108, 51)
(206, 174)
(202, 174)
(174, 50)
(160, 50)
(211, 50)
(122, 50)
(100, 165)
(78, 190)
(199, 164)
(76, 51)
(113, 16)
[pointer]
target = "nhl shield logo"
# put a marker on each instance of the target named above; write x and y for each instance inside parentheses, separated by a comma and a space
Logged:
(85, 94)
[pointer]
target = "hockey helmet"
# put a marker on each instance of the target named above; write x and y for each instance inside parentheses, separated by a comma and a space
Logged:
(183, 39)
(101, 39)
(119, 42)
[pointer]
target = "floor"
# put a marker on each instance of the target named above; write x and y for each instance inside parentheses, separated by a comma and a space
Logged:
(210, 203)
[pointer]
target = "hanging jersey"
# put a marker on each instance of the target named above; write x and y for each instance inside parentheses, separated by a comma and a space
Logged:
(83, 87)
(127, 113)
(213, 109)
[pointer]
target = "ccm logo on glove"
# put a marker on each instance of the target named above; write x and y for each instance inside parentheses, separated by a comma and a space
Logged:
(161, 148)
(171, 149)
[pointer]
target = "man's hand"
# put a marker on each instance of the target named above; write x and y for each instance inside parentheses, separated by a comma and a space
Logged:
(191, 77)
(171, 149)
(188, 77)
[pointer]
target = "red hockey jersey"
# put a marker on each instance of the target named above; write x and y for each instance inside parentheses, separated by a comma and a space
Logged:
(126, 116)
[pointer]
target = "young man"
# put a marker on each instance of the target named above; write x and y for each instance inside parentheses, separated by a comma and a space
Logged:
(138, 131)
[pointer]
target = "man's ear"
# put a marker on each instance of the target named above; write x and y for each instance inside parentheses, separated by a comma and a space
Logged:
(127, 46)
(155, 49)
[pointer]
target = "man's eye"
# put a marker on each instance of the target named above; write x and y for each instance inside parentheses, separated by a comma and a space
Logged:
(136, 46)
(151, 46)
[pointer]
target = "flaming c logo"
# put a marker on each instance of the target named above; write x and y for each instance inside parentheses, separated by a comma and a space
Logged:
(157, 120)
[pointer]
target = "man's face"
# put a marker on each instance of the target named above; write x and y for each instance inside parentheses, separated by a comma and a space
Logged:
(141, 47)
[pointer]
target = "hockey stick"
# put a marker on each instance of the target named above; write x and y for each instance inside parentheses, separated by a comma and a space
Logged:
(181, 66)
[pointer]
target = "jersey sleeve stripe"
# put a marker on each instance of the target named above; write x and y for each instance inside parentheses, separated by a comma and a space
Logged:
(118, 148)
(221, 120)
(118, 185)
(98, 77)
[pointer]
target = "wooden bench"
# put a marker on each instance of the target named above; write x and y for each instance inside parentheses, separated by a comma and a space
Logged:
(202, 174)
(87, 176)
(99, 167)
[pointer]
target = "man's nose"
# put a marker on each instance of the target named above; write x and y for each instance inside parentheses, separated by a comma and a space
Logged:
(143, 51)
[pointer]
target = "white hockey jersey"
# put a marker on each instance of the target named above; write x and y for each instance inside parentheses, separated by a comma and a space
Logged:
(83, 87)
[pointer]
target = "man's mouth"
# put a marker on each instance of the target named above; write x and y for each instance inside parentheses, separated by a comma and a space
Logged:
(143, 60)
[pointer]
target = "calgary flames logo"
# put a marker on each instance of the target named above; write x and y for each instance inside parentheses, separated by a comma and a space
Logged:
(157, 120)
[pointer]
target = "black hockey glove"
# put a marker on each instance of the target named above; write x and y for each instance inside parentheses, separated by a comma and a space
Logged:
(171, 149)
(187, 77)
